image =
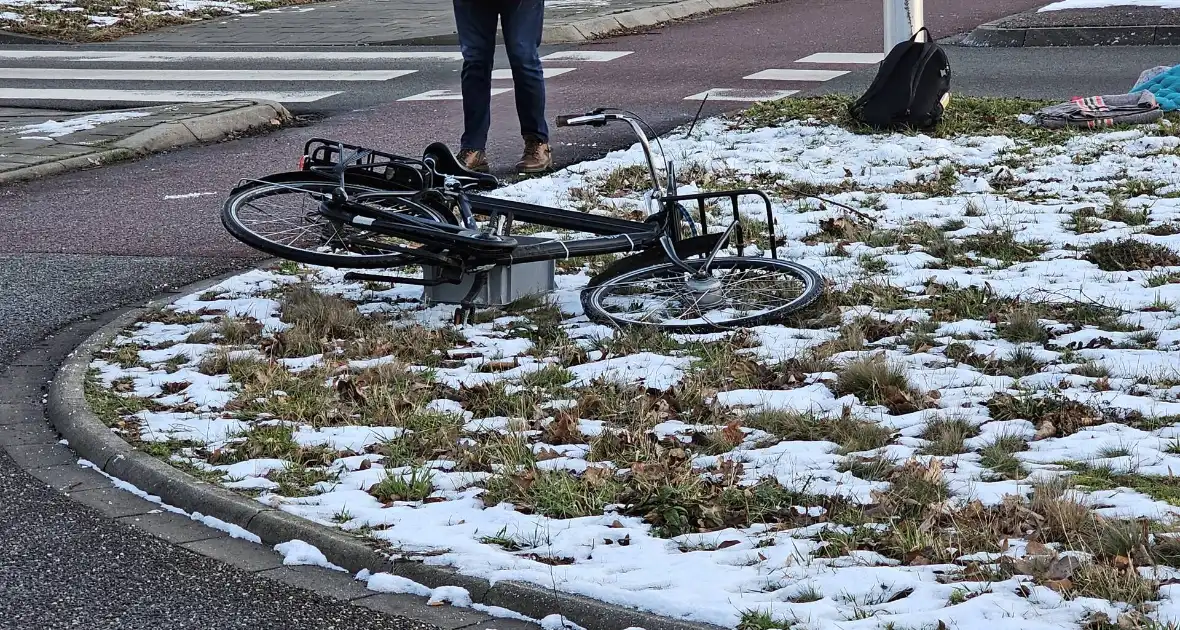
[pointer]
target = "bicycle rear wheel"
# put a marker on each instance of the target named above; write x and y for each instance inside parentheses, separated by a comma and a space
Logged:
(284, 219)
(738, 292)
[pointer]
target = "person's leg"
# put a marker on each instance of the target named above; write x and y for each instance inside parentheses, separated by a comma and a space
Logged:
(522, 21)
(475, 21)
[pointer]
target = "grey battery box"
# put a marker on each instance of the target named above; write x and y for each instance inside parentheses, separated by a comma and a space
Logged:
(506, 283)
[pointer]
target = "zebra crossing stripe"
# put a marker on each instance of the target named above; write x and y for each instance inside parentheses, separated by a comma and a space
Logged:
(733, 94)
(156, 96)
(93, 74)
(446, 95)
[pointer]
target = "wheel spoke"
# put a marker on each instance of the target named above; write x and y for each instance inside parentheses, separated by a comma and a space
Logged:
(661, 295)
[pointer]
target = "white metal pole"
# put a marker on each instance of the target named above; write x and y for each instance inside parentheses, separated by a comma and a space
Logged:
(903, 18)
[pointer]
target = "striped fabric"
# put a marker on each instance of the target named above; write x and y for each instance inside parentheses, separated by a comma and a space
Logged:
(1096, 112)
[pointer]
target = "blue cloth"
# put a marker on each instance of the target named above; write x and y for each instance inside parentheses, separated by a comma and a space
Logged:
(521, 21)
(1166, 88)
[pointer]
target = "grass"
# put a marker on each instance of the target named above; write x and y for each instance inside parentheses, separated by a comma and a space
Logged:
(1117, 210)
(1054, 416)
(112, 408)
(999, 455)
(877, 382)
(297, 479)
(964, 116)
(852, 434)
(946, 436)
(1023, 325)
(762, 620)
(557, 494)
(76, 26)
(1102, 478)
(414, 486)
(1002, 245)
(1128, 254)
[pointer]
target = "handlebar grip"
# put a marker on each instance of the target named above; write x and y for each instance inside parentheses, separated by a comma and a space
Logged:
(563, 121)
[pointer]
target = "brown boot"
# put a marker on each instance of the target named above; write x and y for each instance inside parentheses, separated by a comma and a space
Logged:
(536, 158)
(473, 160)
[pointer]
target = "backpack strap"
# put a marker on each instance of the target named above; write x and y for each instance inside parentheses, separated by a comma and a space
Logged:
(920, 66)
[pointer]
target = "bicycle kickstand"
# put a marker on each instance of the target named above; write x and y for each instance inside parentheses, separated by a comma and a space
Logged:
(465, 314)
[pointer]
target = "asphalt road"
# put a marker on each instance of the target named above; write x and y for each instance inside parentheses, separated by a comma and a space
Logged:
(81, 243)
(61, 567)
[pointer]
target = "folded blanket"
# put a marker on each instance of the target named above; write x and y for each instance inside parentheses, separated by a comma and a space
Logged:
(1164, 85)
(1101, 111)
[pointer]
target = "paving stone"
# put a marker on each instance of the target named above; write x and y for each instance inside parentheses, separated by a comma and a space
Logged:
(237, 552)
(42, 455)
(22, 385)
(335, 584)
(113, 502)
(174, 528)
(27, 433)
(445, 617)
(27, 413)
(71, 478)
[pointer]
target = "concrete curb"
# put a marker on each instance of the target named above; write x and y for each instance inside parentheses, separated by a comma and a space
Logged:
(994, 34)
(162, 137)
(92, 440)
(10, 38)
(607, 25)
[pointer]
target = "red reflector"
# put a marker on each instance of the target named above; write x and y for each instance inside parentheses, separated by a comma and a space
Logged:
(302, 158)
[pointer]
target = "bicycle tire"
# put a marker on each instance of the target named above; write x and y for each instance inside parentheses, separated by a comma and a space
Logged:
(238, 229)
(592, 295)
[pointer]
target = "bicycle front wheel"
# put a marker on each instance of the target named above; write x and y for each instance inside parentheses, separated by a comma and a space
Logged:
(284, 220)
(736, 292)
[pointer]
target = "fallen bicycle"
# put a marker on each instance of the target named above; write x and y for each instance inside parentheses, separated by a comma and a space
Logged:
(375, 210)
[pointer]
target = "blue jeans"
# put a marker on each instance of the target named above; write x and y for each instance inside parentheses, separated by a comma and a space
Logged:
(521, 21)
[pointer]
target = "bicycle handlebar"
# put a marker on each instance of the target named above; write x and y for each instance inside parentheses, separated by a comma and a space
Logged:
(576, 120)
(599, 118)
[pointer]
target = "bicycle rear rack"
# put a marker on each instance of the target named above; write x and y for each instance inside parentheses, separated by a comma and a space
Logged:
(322, 154)
(732, 195)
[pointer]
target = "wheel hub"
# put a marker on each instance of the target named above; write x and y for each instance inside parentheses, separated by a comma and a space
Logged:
(706, 291)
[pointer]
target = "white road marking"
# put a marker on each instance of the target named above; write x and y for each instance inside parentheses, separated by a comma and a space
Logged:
(92, 74)
(730, 94)
(157, 96)
(242, 55)
(506, 73)
(586, 55)
(786, 74)
(446, 95)
(837, 57)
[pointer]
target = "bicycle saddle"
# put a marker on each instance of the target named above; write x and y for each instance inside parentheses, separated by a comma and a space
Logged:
(445, 163)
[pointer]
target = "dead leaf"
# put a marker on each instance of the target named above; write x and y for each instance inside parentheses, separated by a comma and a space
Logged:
(365, 464)
(596, 476)
(1046, 430)
(616, 525)
(728, 543)
(564, 430)
(625, 540)
(917, 560)
(546, 454)
(902, 594)
(1064, 567)
(1059, 586)
(1122, 562)
(733, 433)
(1037, 549)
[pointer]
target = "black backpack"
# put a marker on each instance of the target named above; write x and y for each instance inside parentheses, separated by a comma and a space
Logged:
(909, 89)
